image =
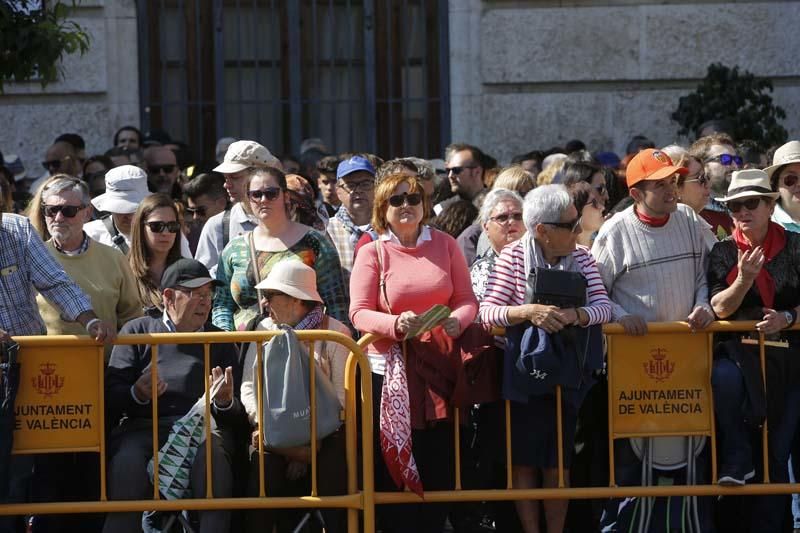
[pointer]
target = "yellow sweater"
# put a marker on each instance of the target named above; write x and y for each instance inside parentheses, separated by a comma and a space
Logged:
(104, 276)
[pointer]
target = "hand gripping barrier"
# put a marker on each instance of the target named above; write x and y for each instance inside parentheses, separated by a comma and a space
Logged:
(60, 409)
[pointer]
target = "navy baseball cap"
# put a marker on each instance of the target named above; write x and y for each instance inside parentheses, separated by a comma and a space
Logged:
(354, 164)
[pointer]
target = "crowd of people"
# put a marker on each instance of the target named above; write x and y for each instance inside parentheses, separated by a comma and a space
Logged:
(142, 239)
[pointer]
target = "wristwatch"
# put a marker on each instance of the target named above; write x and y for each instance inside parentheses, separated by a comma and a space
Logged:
(791, 317)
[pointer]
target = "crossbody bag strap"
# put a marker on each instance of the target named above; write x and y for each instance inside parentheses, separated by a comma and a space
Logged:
(116, 236)
(381, 273)
(256, 271)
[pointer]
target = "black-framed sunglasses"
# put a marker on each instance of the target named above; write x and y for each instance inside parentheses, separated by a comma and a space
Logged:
(726, 159)
(199, 210)
(156, 169)
(505, 217)
(54, 165)
(457, 170)
(751, 204)
(412, 199)
(158, 226)
(270, 193)
(573, 225)
(69, 211)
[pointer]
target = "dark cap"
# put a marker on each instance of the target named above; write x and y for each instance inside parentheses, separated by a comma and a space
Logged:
(187, 273)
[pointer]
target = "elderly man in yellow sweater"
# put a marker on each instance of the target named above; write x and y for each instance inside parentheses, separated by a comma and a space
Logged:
(100, 271)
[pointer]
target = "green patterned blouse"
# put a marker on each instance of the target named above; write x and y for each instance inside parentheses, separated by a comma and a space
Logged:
(236, 301)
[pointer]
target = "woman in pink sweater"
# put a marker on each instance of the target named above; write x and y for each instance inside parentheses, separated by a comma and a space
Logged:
(408, 269)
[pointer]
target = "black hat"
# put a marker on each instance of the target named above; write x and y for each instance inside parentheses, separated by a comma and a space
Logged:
(187, 273)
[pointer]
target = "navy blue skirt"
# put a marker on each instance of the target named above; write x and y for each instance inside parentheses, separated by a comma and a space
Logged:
(534, 436)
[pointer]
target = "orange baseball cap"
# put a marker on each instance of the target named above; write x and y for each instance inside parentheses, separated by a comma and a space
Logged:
(651, 164)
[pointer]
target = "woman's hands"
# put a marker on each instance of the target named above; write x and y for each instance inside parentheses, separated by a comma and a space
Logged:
(549, 317)
(409, 320)
(772, 322)
(750, 263)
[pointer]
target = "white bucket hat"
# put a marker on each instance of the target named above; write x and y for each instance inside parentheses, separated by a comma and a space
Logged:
(748, 183)
(246, 154)
(294, 278)
(785, 155)
(126, 188)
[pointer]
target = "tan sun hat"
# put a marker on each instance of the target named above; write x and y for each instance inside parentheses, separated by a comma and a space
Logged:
(749, 182)
(246, 154)
(293, 278)
(785, 155)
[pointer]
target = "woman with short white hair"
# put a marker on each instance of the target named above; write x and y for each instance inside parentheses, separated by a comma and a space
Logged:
(553, 224)
(501, 220)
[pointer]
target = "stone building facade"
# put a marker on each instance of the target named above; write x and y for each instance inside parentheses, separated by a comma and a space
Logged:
(522, 74)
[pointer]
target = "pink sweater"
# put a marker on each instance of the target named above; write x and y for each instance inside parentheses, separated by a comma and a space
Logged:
(435, 272)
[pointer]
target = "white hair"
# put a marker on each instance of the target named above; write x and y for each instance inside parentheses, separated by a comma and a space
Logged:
(494, 197)
(545, 204)
(676, 152)
(67, 184)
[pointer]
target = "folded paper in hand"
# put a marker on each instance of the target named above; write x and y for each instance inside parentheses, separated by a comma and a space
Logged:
(429, 320)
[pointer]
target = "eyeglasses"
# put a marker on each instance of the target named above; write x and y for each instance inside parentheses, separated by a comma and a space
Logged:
(199, 211)
(790, 180)
(270, 193)
(751, 204)
(353, 186)
(505, 217)
(55, 164)
(726, 159)
(412, 199)
(156, 169)
(457, 170)
(201, 296)
(573, 226)
(69, 211)
(601, 189)
(269, 295)
(158, 226)
(701, 178)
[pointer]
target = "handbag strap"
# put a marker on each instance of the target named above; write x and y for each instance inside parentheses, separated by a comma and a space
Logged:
(256, 271)
(382, 274)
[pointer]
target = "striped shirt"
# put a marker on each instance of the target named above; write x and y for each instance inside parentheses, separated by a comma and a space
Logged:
(26, 266)
(506, 286)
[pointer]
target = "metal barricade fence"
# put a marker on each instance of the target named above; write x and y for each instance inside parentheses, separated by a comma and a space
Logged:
(76, 424)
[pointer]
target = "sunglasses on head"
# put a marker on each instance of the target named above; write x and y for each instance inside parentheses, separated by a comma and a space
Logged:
(573, 225)
(160, 227)
(412, 199)
(726, 159)
(505, 217)
(790, 180)
(751, 204)
(156, 169)
(457, 170)
(270, 193)
(69, 211)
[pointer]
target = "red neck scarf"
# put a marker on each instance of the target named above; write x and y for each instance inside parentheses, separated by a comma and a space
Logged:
(773, 243)
(655, 222)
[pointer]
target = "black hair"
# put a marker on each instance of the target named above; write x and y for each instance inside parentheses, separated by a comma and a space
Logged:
(210, 183)
(574, 145)
(637, 144)
(535, 154)
(128, 128)
(73, 139)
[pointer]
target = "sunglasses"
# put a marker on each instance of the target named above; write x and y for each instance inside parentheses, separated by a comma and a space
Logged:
(601, 189)
(702, 179)
(412, 199)
(270, 193)
(505, 217)
(790, 180)
(573, 226)
(751, 204)
(726, 159)
(199, 211)
(457, 170)
(69, 211)
(160, 227)
(54, 165)
(156, 169)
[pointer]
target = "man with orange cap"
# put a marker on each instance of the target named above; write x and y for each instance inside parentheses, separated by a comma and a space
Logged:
(652, 258)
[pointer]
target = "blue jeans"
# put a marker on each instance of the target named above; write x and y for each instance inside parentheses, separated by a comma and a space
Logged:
(727, 383)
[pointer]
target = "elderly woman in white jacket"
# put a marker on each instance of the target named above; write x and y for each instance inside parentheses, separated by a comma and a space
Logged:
(290, 293)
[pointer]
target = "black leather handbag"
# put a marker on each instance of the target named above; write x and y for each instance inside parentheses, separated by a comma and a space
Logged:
(560, 288)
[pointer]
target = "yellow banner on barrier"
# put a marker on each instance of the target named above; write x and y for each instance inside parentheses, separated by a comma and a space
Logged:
(58, 403)
(659, 384)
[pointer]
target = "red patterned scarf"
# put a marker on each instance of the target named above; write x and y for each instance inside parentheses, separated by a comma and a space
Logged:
(772, 245)
(395, 423)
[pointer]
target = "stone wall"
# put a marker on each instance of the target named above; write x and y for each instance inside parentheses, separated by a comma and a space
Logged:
(98, 94)
(528, 75)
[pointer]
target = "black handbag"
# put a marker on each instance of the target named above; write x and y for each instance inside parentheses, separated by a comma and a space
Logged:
(560, 288)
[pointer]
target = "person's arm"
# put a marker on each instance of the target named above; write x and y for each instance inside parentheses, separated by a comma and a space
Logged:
(330, 282)
(727, 298)
(224, 304)
(249, 395)
(124, 369)
(365, 297)
(502, 305)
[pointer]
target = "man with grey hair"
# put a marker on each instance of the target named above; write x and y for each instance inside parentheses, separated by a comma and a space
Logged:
(240, 160)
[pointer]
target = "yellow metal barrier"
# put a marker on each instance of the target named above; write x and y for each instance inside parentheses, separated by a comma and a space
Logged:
(661, 357)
